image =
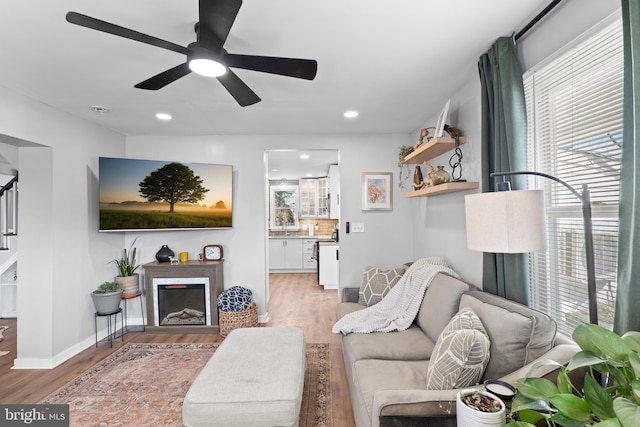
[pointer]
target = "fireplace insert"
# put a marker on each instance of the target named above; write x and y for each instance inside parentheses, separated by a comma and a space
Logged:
(181, 301)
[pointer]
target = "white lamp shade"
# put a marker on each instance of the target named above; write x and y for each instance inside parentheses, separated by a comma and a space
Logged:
(506, 221)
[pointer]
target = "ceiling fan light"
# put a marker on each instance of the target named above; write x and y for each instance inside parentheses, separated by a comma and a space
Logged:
(207, 67)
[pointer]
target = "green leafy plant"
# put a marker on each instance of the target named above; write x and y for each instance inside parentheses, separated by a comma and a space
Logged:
(127, 263)
(403, 151)
(107, 288)
(611, 391)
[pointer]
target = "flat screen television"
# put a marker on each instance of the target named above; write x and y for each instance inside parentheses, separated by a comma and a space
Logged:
(163, 195)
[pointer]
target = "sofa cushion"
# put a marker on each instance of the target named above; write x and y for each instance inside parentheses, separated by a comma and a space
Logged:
(518, 334)
(461, 354)
(372, 375)
(377, 283)
(440, 303)
(410, 344)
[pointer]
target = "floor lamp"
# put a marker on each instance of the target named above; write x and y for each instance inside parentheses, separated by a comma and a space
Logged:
(514, 222)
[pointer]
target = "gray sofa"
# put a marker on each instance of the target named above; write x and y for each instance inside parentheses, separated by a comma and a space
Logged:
(387, 371)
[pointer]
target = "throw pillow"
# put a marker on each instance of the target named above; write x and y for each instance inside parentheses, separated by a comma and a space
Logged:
(466, 318)
(377, 283)
(461, 353)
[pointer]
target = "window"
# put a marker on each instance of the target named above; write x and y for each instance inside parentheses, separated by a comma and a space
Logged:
(574, 111)
(284, 213)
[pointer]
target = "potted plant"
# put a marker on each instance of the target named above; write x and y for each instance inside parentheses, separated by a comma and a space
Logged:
(107, 297)
(128, 279)
(403, 152)
(611, 391)
(479, 408)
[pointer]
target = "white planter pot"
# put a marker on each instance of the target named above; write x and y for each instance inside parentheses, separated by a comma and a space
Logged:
(468, 417)
(129, 284)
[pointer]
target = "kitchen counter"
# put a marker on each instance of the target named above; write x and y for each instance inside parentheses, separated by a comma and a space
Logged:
(300, 236)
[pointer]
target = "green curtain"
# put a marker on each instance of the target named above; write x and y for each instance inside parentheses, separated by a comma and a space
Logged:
(627, 316)
(503, 141)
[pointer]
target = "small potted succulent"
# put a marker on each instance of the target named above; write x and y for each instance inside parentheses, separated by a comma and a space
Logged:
(479, 408)
(107, 297)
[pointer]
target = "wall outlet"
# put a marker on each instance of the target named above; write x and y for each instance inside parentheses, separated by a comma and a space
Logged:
(357, 227)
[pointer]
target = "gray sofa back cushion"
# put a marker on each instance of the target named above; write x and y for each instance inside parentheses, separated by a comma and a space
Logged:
(518, 334)
(440, 303)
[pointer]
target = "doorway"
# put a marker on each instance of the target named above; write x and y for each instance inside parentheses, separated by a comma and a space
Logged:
(294, 224)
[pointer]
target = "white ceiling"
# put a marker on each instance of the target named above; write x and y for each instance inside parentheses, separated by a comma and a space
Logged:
(396, 62)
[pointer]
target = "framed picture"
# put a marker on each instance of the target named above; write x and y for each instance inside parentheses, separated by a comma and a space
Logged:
(442, 118)
(377, 191)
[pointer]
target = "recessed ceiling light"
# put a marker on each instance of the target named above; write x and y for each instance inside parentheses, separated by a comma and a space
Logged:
(308, 175)
(351, 114)
(163, 116)
(304, 156)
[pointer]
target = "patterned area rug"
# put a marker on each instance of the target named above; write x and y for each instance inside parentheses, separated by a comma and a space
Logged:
(145, 384)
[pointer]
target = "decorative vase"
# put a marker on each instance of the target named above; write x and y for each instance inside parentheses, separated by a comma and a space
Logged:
(106, 303)
(129, 284)
(470, 417)
(440, 176)
(164, 253)
(418, 179)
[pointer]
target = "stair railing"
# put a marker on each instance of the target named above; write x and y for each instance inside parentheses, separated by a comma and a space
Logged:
(8, 211)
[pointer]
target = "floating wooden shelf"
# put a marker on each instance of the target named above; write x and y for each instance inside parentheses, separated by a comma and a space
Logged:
(449, 187)
(434, 148)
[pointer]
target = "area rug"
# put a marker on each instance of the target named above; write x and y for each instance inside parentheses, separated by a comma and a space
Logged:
(145, 384)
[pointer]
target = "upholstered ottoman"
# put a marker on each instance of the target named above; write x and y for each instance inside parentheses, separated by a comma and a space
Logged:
(255, 378)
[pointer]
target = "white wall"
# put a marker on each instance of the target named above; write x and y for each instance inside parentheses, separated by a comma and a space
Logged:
(385, 243)
(439, 222)
(62, 257)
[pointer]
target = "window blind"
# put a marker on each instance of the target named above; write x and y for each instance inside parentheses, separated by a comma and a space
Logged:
(574, 112)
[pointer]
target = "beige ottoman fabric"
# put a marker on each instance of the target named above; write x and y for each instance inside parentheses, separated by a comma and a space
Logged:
(255, 378)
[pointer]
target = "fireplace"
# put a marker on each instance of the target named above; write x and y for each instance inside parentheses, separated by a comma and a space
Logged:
(186, 273)
(181, 301)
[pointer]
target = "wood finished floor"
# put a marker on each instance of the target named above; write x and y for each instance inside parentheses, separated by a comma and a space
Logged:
(295, 300)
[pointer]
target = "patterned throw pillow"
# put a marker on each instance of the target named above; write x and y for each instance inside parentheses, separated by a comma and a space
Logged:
(377, 283)
(460, 356)
(235, 299)
(466, 318)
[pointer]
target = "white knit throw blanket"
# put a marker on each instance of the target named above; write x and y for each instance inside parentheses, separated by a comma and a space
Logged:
(400, 306)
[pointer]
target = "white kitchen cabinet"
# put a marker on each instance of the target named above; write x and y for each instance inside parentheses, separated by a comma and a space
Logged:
(308, 260)
(334, 192)
(285, 254)
(329, 265)
(314, 198)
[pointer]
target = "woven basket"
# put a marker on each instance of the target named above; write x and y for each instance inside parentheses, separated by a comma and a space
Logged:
(230, 320)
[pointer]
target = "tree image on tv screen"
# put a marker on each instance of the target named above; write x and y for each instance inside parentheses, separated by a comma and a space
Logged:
(173, 183)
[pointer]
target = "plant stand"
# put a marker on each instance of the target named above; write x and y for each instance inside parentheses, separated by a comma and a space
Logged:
(110, 332)
(126, 299)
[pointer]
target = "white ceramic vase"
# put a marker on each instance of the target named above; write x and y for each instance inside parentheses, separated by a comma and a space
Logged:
(469, 417)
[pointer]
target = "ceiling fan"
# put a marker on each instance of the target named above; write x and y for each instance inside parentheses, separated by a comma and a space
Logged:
(207, 55)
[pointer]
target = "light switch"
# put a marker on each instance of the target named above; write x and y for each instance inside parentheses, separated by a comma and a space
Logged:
(357, 227)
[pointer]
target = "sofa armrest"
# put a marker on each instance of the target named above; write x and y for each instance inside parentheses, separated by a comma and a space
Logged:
(350, 294)
(414, 405)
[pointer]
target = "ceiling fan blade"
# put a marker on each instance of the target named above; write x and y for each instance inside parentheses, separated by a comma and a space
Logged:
(291, 67)
(238, 89)
(216, 19)
(106, 27)
(161, 80)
